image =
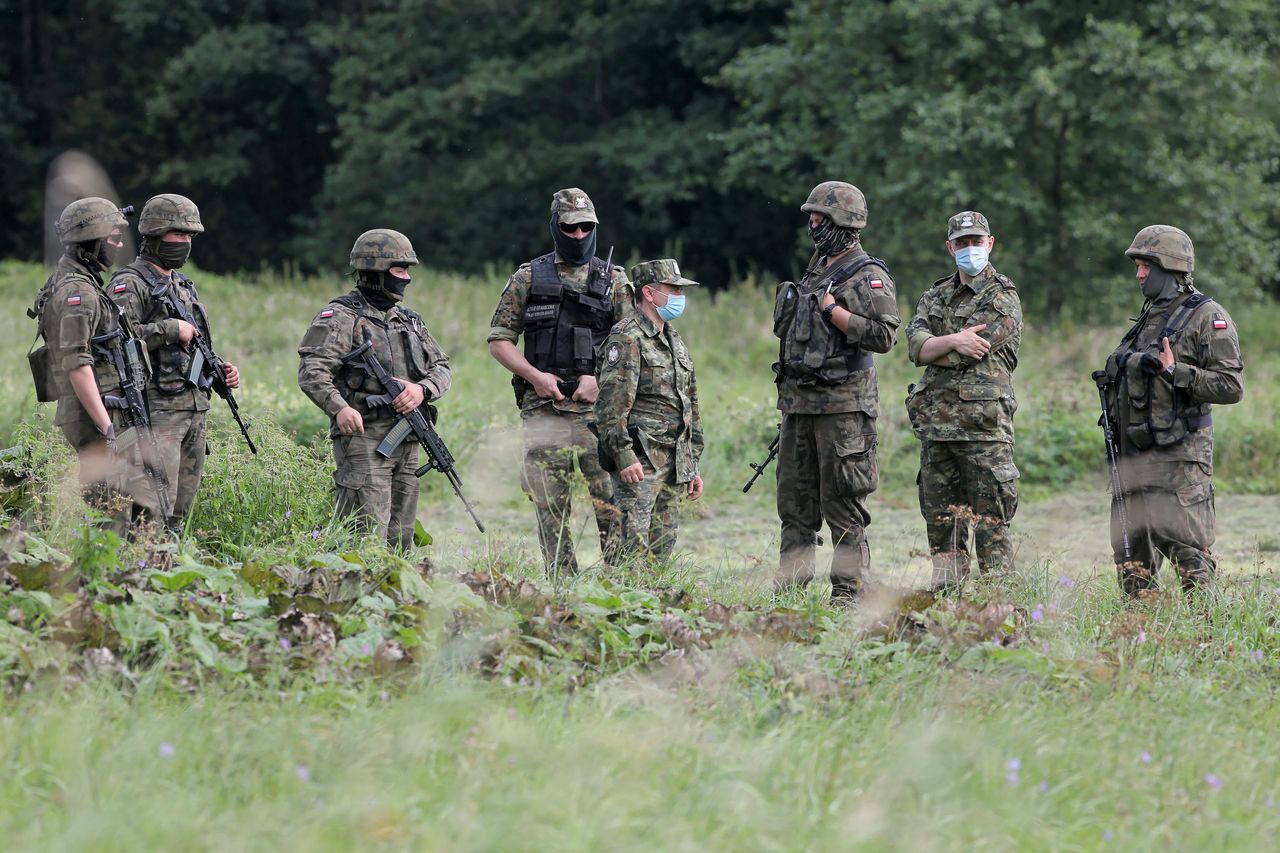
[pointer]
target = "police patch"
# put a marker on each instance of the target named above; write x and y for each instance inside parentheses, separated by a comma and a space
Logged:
(73, 300)
(612, 355)
(878, 284)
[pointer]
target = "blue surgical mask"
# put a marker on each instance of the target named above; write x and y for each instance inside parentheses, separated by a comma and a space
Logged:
(673, 309)
(971, 260)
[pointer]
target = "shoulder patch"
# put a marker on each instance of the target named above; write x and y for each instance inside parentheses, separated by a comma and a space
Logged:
(73, 300)
(326, 313)
(120, 288)
(876, 284)
(613, 354)
(1219, 322)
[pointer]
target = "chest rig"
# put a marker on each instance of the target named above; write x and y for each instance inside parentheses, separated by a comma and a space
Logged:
(812, 351)
(563, 327)
(1150, 410)
(397, 343)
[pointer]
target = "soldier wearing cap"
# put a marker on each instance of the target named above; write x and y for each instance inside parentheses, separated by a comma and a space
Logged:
(72, 309)
(148, 291)
(965, 333)
(828, 325)
(1179, 358)
(380, 491)
(647, 415)
(563, 305)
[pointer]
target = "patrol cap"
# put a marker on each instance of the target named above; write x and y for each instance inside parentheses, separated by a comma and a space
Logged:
(967, 223)
(665, 271)
(573, 205)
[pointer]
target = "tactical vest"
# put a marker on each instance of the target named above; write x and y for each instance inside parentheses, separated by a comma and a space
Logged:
(812, 351)
(171, 362)
(1152, 412)
(50, 383)
(356, 384)
(562, 327)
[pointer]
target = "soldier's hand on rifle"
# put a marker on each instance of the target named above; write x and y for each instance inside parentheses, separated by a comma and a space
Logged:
(186, 332)
(695, 487)
(545, 385)
(350, 422)
(632, 473)
(231, 375)
(408, 399)
(587, 389)
(969, 343)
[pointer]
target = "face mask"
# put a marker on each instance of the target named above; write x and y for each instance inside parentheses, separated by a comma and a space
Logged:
(395, 285)
(169, 255)
(829, 239)
(574, 252)
(674, 307)
(972, 260)
(107, 253)
(376, 287)
(1160, 284)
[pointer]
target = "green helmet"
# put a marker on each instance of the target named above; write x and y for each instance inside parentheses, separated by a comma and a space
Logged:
(843, 203)
(169, 212)
(89, 219)
(381, 249)
(1168, 246)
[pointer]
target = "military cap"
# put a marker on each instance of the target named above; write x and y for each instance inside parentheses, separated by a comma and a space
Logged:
(665, 271)
(967, 223)
(573, 205)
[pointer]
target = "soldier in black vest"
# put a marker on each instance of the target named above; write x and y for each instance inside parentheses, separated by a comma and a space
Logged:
(564, 304)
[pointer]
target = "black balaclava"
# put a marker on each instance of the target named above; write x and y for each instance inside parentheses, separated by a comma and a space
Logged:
(382, 289)
(574, 252)
(1161, 285)
(830, 239)
(167, 254)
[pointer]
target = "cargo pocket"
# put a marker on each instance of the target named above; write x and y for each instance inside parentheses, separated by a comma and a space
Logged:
(980, 407)
(1006, 476)
(916, 408)
(857, 472)
(1196, 526)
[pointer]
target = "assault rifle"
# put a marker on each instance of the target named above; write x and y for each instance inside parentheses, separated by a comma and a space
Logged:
(759, 467)
(416, 423)
(206, 368)
(1113, 462)
(125, 356)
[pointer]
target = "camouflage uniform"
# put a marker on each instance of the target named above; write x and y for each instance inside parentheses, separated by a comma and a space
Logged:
(72, 308)
(1164, 421)
(962, 412)
(647, 412)
(381, 491)
(178, 408)
(557, 433)
(829, 396)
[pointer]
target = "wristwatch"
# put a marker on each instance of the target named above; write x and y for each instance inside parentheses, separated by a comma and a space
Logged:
(828, 311)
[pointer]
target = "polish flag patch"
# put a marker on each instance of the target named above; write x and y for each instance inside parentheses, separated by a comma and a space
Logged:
(73, 300)
(876, 283)
(120, 288)
(1219, 323)
(326, 313)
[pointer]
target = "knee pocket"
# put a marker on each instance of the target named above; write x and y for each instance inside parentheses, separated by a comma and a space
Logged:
(857, 470)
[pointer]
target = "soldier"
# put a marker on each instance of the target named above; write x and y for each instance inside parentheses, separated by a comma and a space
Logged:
(564, 304)
(647, 413)
(72, 309)
(828, 326)
(147, 291)
(965, 333)
(1180, 356)
(381, 491)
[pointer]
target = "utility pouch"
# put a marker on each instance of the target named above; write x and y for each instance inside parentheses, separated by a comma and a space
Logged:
(1139, 437)
(41, 362)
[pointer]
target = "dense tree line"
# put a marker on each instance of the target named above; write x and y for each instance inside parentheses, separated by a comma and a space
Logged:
(697, 126)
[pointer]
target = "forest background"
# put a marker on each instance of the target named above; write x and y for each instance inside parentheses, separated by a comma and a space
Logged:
(697, 127)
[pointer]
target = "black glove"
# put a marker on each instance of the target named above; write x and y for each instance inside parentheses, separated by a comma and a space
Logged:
(1151, 364)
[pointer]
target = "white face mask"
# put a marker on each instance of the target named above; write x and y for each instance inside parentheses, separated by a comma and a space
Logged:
(971, 260)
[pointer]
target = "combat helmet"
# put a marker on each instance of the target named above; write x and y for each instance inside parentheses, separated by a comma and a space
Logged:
(1169, 247)
(843, 203)
(169, 212)
(89, 219)
(381, 249)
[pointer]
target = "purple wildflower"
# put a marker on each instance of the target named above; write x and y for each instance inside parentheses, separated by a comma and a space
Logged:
(166, 750)
(1045, 648)
(303, 774)
(315, 534)
(1037, 614)
(288, 514)
(1014, 765)
(1257, 655)
(1044, 787)
(1106, 835)
(1145, 758)
(1142, 636)
(1213, 781)
(1013, 779)
(365, 649)
(1069, 583)
(285, 644)
(142, 564)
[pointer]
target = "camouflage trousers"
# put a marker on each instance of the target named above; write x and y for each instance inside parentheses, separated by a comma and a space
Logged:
(556, 442)
(963, 486)
(182, 440)
(647, 521)
(1170, 510)
(380, 492)
(826, 468)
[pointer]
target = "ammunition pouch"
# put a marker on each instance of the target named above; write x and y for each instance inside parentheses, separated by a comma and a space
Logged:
(41, 363)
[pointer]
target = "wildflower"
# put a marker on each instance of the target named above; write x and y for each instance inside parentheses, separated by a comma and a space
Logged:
(1142, 636)
(1013, 779)
(1213, 781)
(365, 649)
(285, 644)
(1145, 758)
(1037, 614)
(315, 534)
(1106, 835)
(1271, 802)
(1069, 583)
(1256, 655)
(288, 514)
(166, 750)
(384, 696)
(1045, 648)
(142, 564)
(1014, 765)
(1044, 787)
(303, 774)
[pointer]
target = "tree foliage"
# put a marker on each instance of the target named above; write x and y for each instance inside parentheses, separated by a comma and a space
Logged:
(697, 127)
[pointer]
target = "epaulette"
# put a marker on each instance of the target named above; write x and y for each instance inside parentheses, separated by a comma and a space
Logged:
(352, 301)
(1005, 281)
